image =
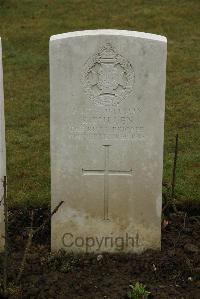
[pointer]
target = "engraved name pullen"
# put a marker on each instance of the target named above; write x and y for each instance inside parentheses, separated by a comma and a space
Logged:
(108, 77)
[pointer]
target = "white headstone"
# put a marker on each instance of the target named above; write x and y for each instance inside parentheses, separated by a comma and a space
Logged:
(107, 127)
(2, 153)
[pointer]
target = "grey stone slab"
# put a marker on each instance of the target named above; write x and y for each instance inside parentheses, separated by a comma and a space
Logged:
(107, 92)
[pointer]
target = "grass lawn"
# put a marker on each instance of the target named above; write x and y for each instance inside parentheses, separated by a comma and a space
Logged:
(25, 28)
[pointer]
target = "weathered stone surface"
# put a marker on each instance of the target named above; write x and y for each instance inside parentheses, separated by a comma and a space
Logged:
(2, 152)
(107, 128)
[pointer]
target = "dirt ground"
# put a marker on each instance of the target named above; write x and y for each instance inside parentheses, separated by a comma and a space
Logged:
(172, 273)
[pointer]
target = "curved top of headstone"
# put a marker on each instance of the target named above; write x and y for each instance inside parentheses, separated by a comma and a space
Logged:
(109, 32)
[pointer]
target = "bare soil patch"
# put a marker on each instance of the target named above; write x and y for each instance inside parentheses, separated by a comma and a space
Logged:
(172, 273)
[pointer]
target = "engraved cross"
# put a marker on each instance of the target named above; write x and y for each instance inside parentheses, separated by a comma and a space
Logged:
(106, 172)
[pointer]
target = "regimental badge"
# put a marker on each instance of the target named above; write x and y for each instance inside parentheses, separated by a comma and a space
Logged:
(108, 77)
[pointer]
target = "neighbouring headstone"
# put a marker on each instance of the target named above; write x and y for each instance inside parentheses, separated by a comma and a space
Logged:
(2, 153)
(107, 126)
